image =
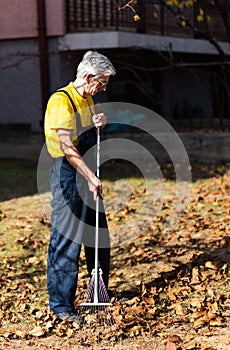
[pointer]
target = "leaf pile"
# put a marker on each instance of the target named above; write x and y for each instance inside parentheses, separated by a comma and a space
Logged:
(169, 284)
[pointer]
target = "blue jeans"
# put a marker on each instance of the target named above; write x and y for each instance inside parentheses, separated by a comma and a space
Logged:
(73, 223)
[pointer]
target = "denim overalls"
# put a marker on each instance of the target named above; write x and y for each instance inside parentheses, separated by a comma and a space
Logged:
(73, 223)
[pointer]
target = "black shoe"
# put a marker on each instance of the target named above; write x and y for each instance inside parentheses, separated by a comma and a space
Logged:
(110, 293)
(123, 300)
(69, 316)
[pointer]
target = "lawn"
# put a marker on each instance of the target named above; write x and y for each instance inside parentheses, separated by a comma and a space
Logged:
(170, 282)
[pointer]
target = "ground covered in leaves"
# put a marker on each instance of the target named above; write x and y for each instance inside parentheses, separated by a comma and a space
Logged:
(170, 282)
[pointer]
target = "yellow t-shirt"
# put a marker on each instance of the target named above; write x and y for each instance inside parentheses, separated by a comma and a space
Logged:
(60, 115)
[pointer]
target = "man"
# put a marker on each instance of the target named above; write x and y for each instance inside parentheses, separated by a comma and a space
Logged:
(70, 130)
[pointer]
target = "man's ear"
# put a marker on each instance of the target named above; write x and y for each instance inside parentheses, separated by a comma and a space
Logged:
(88, 77)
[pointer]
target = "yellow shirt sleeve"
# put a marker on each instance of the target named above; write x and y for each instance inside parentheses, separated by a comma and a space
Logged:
(60, 114)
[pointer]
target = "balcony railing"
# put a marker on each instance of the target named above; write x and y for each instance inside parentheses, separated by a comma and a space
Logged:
(101, 15)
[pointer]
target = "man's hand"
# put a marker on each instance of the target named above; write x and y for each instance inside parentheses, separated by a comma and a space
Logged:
(99, 120)
(95, 186)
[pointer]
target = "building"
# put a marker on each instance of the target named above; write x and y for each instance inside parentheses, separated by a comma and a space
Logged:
(160, 64)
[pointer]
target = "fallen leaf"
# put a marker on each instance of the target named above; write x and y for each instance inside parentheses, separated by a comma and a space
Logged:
(195, 276)
(216, 323)
(195, 303)
(34, 260)
(200, 322)
(20, 334)
(178, 308)
(210, 265)
(170, 345)
(37, 331)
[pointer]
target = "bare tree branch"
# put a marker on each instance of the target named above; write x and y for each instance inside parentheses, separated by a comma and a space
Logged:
(200, 33)
(128, 4)
(224, 8)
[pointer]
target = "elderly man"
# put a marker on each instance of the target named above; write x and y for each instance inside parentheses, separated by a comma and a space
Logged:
(70, 130)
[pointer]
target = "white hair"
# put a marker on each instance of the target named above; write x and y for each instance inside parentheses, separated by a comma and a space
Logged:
(96, 64)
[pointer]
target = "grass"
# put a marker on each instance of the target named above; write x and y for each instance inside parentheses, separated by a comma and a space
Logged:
(177, 280)
(17, 178)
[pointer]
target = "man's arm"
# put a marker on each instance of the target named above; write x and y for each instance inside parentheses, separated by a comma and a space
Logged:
(75, 159)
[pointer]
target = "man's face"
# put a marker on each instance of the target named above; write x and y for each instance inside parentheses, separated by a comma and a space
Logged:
(96, 85)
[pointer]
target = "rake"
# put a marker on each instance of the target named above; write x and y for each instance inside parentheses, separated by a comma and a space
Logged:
(96, 311)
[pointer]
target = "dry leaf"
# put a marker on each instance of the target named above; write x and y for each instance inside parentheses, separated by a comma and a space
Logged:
(31, 287)
(132, 301)
(34, 260)
(195, 276)
(49, 325)
(170, 345)
(171, 294)
(210, 265)
(39, 314)
(136, 17)
(216, 323)
(20, 334)
(200, 322)
(178, 308)
(70, 332)
(195, 303)
(214, 307)
(37, 331)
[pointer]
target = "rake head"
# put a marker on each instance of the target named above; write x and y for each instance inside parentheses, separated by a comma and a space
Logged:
(97, 308)
(96, 293)
(98, 322)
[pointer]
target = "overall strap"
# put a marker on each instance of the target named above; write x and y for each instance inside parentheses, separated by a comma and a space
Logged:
(78, 118)
(70, 98)
(72, 103)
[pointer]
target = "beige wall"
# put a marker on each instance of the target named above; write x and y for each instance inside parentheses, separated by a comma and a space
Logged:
(18, 18)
